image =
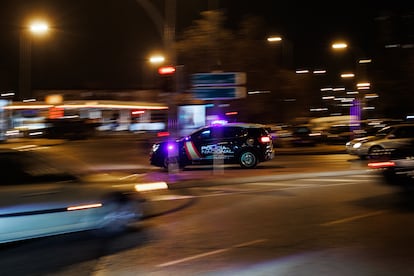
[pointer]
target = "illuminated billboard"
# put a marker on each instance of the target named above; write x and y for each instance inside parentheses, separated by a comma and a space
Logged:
(191, 116)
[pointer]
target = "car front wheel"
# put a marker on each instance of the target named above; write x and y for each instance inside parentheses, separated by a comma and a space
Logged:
(248, 160)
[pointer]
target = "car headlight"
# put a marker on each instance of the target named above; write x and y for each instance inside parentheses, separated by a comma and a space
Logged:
(348, 144)
(155, 147)
(357, 145)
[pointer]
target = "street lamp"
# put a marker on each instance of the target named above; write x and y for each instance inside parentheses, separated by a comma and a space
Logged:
(285, 46)
(36, 28)
(274, 39)
(339, 45)
(157, 59)
(149, 70)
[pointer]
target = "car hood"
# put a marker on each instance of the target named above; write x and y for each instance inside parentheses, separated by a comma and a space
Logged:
(364, 139)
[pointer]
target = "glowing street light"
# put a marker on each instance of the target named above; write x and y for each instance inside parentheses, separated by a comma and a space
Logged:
(156, 59)
(274, 39)
(339, 46)
(36, 28)
(347, 75)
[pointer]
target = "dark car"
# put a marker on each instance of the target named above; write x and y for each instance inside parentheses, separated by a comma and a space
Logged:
(338, 134)
(234, 143)
(302, 135)
(397, 166)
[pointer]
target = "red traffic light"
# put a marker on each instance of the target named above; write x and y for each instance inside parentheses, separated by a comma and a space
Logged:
(166, 70)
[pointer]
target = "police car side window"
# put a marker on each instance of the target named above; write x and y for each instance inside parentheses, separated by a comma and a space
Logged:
(217, 132)
(230, 132)
(204, 134)
(242, 132)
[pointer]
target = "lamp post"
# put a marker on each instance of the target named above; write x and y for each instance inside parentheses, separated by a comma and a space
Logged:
(36, 28)
(359, 79)
(285, 53)
(149, 70)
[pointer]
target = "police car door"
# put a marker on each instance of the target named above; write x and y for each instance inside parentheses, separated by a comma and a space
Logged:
(224, 139)
(212, 144)
(204, 145)
(195, 146)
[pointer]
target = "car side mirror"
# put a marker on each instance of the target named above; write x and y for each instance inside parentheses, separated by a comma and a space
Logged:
(391, 136)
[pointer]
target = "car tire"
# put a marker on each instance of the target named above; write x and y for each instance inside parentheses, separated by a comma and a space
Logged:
(374, 152)
(121, 212)
(248, 159)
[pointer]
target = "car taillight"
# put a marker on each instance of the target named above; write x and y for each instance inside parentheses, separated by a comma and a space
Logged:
(163, 134)
(265, 139)
(380, 165)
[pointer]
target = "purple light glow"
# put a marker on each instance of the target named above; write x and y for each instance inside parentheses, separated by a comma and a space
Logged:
(219, 122)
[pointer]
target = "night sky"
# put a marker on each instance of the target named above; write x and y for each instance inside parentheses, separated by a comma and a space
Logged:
(104, 43)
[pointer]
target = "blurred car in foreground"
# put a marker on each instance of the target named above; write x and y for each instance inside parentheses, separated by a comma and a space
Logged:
(233, 143)
(38, 199)
(397, 167)
(391, 137)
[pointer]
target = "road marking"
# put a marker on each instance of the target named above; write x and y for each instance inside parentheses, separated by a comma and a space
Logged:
(348, 219)
(365, 175)
(131, 176)
(280, 184)
(214, 252)
(170, 197)
(332, 179)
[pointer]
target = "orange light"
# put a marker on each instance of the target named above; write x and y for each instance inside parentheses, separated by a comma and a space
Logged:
(142, 187)
(166, 70)
(138, 112)
(378, 165)
(86, 206)
(232, 113)
(56, 112)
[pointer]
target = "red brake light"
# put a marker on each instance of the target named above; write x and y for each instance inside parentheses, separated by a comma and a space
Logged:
(166, 70)
(265, 139)
(163, 134)
(379, 165)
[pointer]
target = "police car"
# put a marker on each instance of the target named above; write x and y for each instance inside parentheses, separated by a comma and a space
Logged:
(233, 143)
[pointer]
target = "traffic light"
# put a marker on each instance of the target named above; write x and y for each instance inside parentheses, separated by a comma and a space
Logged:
(166, 70)
(167, 78)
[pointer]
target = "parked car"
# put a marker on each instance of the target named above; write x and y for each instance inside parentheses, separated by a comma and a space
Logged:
(233, 143)
(280, 135)
(338, 134)
(302, 135)
(391, 137)
(38, 199)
